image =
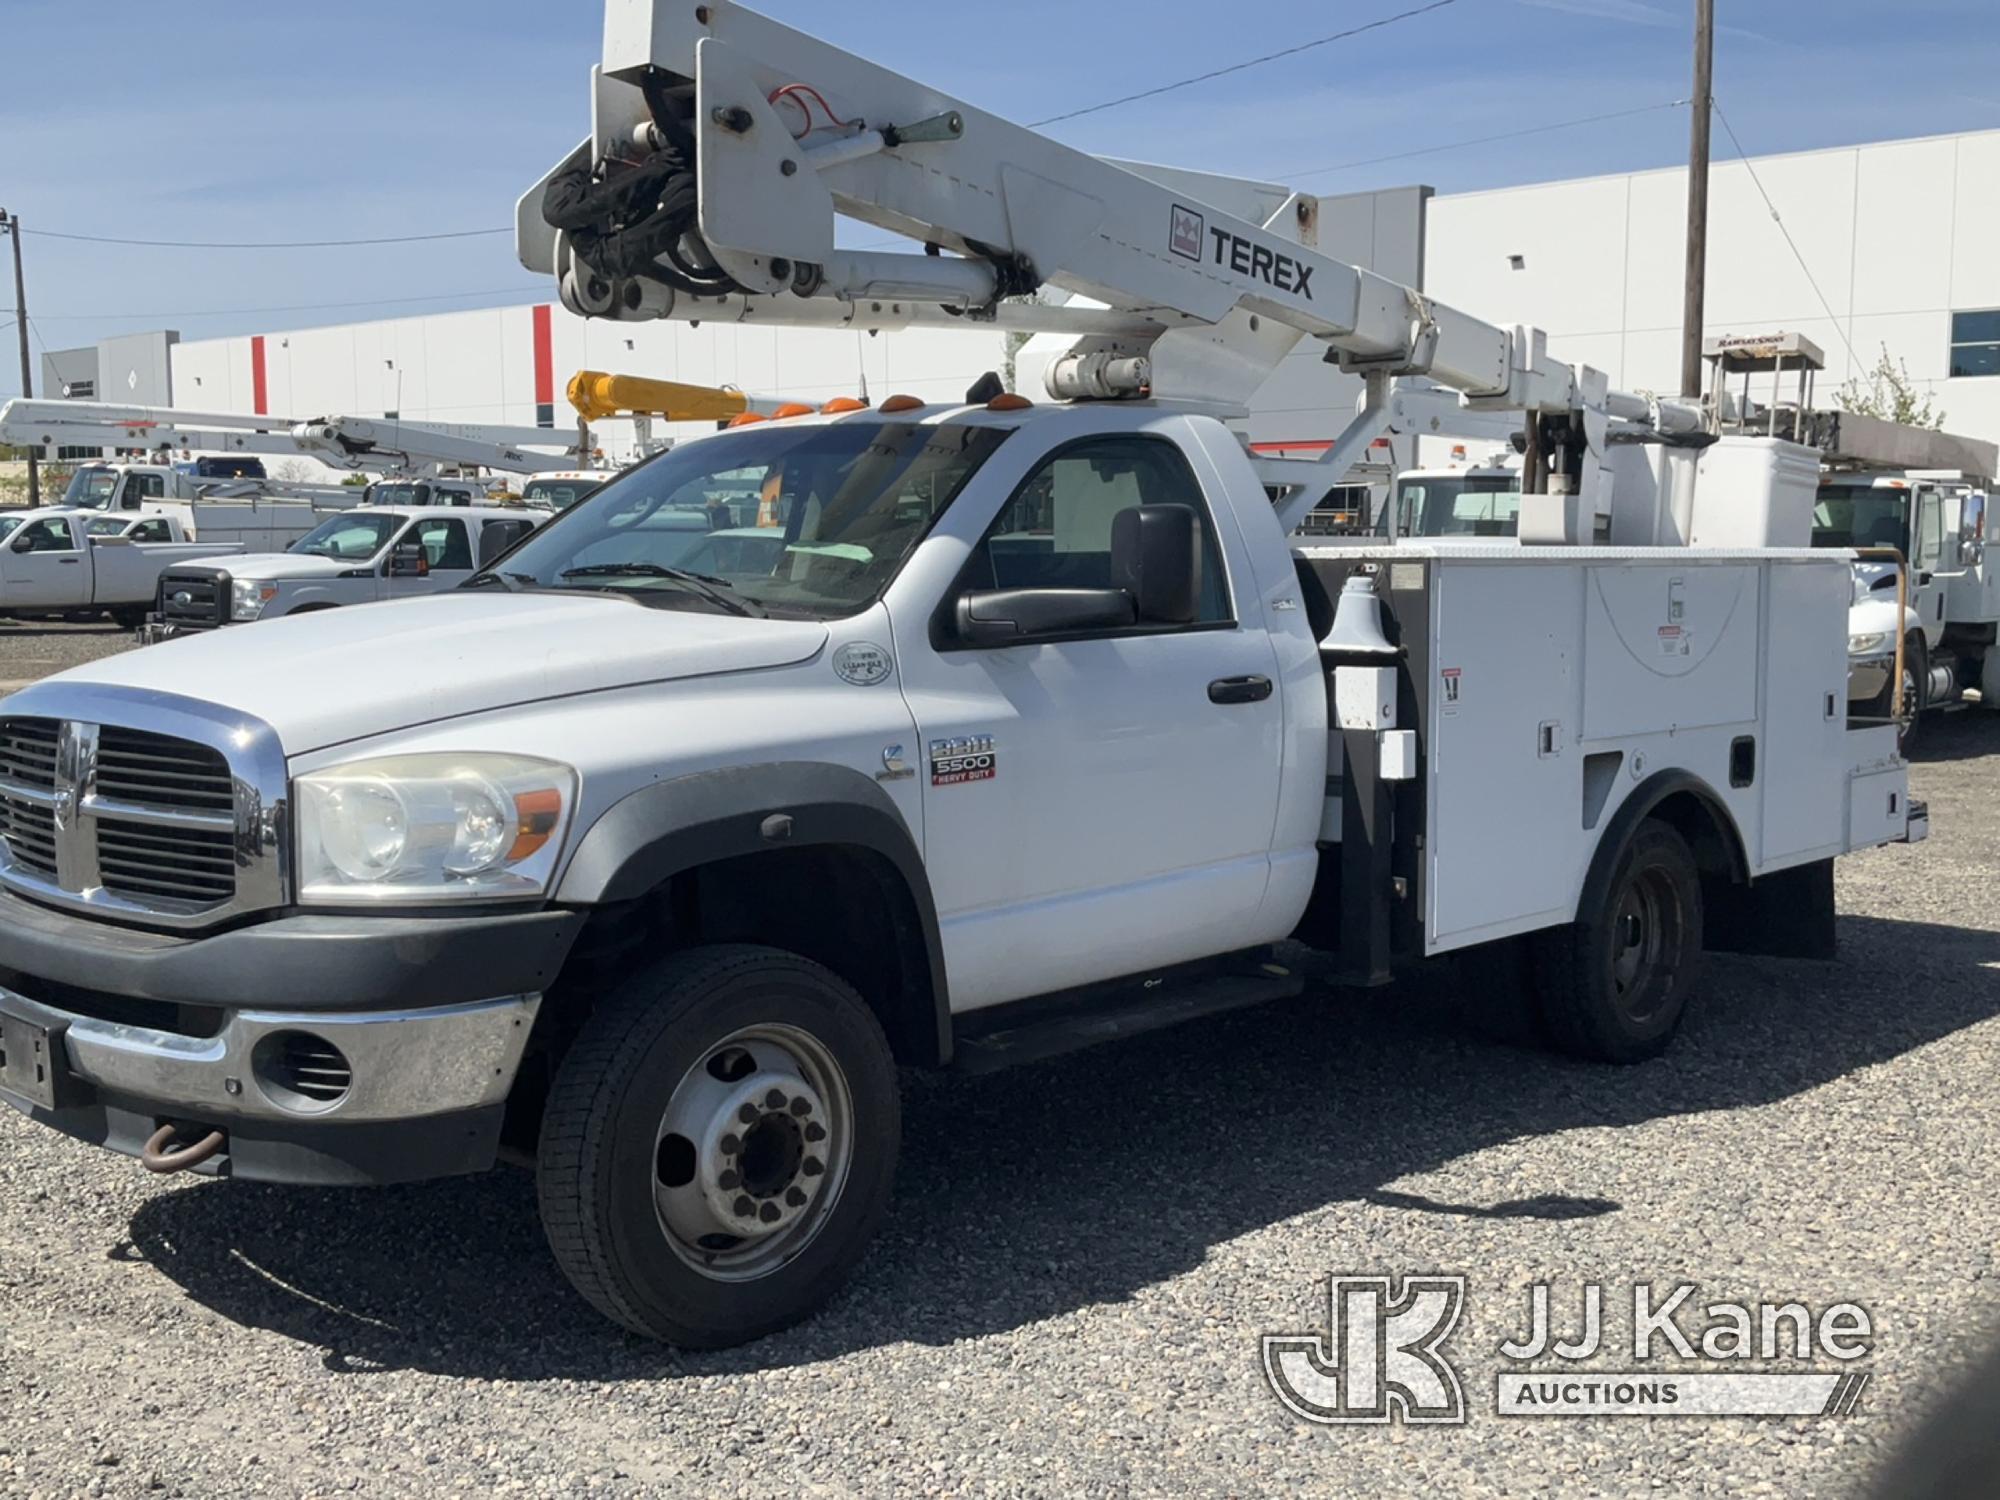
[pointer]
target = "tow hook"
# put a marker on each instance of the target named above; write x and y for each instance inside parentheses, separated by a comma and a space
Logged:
(163, 1162)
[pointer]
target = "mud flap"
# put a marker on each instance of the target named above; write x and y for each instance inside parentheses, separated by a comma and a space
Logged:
(1786, 915)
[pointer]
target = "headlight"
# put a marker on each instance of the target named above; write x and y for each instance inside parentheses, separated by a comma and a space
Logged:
(1867, 643)
(419, 828)
(247, 598)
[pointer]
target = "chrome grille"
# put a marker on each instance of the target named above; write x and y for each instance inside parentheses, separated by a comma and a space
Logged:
(28, 751)
(194, 601)
(187, 864)
(164, 828)
(28, 766)
(135, 765)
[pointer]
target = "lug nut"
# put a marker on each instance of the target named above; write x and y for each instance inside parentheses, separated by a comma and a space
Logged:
(802, 1107)
(795, 1197)
(728, 1181)
(747, 1113)
(769, 1213)
(744, 1208)
(731, 1144)
(775, 1099)
(813, 1166)
(815, 1131)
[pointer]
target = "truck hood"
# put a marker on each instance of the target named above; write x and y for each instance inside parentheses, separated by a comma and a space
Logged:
(350, 674)
(275, 567)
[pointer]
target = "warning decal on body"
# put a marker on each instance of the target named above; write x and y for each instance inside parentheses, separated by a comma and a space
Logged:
(965, 759)
(1451, 677)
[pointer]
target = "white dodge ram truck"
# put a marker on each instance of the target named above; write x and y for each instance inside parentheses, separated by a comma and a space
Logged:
(1025, 737)
(357, 557)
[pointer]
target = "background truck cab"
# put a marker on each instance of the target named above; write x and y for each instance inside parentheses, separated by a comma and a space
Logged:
(359, 557)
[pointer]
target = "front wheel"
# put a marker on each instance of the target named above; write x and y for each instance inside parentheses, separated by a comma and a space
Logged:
(718, 1146)
(1614, 986)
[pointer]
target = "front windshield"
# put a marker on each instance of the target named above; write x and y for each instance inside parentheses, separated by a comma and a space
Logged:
(354, 537)
(556, 494)
(832, 513)
(1460, 505)
(91, 489)
(7, 526)
(1857, 515)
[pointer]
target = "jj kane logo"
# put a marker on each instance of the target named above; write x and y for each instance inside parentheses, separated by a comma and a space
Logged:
(1382, 1357)
(968, 758)
(1189, 237)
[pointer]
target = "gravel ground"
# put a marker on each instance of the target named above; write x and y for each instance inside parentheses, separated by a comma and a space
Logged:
(1082, 1255)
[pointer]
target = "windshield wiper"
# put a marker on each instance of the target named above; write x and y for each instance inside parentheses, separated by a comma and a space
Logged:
(707, 586)
(513, 583)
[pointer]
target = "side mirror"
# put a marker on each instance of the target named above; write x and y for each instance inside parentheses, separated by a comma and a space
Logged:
(1156, 559)
(22, 543)
(1013, 617)
(409, 560)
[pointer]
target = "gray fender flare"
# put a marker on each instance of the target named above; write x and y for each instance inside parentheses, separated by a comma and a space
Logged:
(680, 824)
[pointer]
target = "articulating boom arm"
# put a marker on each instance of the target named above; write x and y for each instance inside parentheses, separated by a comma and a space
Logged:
(724, 147)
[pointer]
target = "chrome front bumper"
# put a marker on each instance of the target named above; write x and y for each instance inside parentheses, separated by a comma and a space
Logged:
(405, 1065)
(1867, 676)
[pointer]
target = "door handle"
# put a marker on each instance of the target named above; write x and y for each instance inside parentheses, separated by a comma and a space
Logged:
(68, 562)
(1227, 690)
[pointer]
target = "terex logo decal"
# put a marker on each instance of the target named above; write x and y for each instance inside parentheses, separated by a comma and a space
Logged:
(1188, 231)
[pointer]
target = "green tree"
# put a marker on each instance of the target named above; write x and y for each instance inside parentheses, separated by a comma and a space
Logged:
(1888, 392)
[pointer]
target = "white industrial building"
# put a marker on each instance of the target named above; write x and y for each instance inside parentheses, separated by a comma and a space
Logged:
(1898, 246)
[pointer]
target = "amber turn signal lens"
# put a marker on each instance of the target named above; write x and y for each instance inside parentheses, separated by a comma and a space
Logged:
(535, 817)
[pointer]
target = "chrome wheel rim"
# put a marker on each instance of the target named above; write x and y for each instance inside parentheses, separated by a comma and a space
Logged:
(752, 1152)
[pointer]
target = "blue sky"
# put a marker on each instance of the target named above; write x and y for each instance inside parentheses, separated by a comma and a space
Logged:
(236, 120)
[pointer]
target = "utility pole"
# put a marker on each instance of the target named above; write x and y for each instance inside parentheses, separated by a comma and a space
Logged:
(13, 228)
(1703, 107)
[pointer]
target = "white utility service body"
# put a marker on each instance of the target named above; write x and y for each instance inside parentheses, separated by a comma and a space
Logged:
(59, 562)
(1021, 740)
(349, 559)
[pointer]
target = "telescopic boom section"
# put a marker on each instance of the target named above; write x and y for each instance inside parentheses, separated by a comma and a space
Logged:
(724, 147)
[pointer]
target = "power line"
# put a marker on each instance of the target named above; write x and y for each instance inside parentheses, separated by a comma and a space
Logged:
(1255, 62)
(393, 239)
(1483, 140)
(232, 312)
(1778, 219)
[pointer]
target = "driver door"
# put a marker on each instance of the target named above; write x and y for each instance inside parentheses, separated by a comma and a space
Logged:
(1098, 805)
(44, 566)
(447, 551)
(1933, 566)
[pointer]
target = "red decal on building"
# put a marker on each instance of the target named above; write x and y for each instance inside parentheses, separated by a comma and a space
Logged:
(545, 357)
(260, 391)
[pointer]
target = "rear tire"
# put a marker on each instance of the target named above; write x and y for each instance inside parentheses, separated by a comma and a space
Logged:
(1614, 986)
(719, 1145)
(128, 619)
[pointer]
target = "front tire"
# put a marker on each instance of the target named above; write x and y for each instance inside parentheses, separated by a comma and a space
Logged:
(719, 1145)
(1614, 986)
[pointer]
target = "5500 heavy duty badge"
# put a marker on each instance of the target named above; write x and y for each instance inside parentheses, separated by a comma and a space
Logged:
(967, 758)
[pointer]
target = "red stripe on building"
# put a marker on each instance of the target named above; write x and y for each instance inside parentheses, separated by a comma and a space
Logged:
(545, 356)
(260, 391)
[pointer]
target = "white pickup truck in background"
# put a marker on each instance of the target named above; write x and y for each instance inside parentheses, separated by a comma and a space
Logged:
(358, 557)
(72, 563)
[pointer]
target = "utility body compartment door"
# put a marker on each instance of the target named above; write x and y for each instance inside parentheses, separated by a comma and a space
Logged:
(1505, 846)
